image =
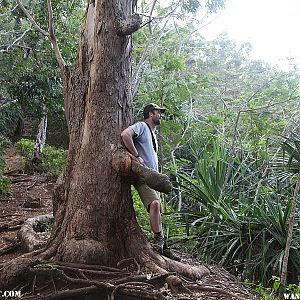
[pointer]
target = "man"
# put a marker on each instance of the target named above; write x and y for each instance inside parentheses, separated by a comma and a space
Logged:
(140, 140)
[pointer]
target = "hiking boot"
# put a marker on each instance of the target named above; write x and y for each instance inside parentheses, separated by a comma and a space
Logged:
(167, 252)
(158, 244)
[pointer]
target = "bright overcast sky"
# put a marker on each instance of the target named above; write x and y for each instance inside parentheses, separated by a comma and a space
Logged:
(271, 26)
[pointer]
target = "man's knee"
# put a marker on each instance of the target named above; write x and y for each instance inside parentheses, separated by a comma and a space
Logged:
(155, 206)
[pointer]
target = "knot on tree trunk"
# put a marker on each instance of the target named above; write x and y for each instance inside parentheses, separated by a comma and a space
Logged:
(126, 164)
(129, 25)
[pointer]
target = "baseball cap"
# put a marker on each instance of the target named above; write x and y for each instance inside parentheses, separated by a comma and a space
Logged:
(150, 107)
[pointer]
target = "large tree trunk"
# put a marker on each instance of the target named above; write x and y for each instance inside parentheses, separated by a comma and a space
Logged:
(94, 216)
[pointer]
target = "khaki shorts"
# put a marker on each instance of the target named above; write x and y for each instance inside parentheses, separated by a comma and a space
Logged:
(146, 194)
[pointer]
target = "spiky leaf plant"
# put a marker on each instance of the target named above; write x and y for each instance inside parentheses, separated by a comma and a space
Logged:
(292, 147)
(233, 228)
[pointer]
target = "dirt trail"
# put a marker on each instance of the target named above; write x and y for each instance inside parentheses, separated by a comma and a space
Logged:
(31, 196)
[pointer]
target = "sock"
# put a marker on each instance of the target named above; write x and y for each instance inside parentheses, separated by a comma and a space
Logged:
(159, 234)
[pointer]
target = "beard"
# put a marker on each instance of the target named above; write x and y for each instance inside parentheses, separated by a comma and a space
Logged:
(156, 121)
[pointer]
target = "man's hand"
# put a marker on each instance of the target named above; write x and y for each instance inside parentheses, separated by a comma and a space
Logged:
(140, 160)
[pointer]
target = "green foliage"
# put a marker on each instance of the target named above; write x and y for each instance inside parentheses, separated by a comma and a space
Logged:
(173, 223)
(5, 185)
(234, 207)
(265, 293)
(141, 213)
(4, 181)
(28, 68)
(291, 290)
(231, 229)
(190, 5)
(4, 143)
(51, 162)
(291, 155)
(271, 292)
(9, 117)
(194, 5)
(25, 147)
(44, 226)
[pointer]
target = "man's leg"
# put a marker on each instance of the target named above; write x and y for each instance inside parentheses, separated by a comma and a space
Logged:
(150, 199)
(156, 225)
(155, 218)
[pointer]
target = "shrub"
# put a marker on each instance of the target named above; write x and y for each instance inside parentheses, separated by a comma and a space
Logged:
(9, 120)
(141, 213)
(4, 185)
(235, 227)
(4, 181)
(51, 162)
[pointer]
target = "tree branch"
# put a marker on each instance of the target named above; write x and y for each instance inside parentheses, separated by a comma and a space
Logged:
(137, 77)
(150, 16)
(63, 66)
(8, 12)
(29, 17)
(50, 35)
(18, 39)
(7, 104)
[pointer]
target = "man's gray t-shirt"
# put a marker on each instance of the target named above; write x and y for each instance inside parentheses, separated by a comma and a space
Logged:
(142, 140)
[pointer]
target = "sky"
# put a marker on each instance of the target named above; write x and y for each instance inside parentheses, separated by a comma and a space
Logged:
(271, 26)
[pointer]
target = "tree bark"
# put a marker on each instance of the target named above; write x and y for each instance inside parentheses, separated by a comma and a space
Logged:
(283, 279)
(40, 138)
(94, 218)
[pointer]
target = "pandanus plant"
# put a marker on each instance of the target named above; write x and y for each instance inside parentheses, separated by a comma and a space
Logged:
(291, 147)
(238, 223)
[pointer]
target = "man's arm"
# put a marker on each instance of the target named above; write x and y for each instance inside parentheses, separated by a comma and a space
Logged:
(127, 138)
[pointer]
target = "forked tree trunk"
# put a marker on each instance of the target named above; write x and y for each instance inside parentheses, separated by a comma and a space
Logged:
(94, 216)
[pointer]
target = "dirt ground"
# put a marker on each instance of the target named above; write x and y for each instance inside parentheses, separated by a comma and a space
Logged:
(31, 196)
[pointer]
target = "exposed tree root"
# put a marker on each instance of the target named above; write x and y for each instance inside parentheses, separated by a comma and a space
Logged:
(11, 226)
(10, 248)
(139, 285)
(147, 275)
(69, 294)
(13, 272)
(176, 286)
(163, 265)
(83, 279)
(84, 266)
(106, 274)
(128, 263)
(29, 238)
(16, 180)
